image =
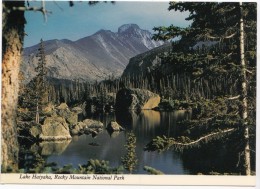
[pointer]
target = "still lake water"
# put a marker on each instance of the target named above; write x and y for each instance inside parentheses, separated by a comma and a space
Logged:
(146, 125)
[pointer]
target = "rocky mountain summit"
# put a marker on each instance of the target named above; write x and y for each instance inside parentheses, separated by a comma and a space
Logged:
(95, 57)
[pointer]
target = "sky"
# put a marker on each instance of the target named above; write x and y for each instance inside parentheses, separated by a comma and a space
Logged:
(83, 20)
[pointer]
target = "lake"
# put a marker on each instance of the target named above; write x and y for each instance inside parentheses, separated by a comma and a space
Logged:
(146, 125)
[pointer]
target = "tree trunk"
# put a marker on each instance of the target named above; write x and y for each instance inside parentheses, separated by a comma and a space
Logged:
(13, 34)
(37, 117)
(244, 112)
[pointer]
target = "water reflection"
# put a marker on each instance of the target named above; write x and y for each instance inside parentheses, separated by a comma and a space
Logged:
(110, 146)
(113, 134)
(53, 148)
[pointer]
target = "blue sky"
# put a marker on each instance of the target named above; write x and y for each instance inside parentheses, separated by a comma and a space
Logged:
(83, 20)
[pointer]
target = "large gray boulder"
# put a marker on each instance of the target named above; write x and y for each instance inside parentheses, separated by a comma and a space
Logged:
(136, 99)
(54, 128)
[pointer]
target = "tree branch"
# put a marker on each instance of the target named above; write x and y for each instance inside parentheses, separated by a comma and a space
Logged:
(164, 143)
(24, 137)
(233, 97)
(204, 137)
(41, 9)
(223, 37)
(249, 71)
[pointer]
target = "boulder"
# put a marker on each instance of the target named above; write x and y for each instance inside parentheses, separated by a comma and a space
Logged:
(92, 127)
(90, 123)
(62, 106)
(72, 118)
(74, 131)
(77, 110)
(136, 99)
(64, 111)
(35, 131)
(87, 126)
(55, 128)
(114, 126)
(48, 110)
(114, 134)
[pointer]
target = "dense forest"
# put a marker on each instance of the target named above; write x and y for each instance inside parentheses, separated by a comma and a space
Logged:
(211, 70)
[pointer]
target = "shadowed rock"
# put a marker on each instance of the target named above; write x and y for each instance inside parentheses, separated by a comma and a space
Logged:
(136, 99)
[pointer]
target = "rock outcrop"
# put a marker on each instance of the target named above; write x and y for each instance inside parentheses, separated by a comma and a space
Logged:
(54, 128)
(114, 126)
(77, 110)
(147, 62)
(136, 99)
(70, 117)
(35, 131)
(49, 110)
(88, 126)
(58, 123)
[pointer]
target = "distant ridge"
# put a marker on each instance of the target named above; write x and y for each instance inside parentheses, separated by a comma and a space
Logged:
(91, 58)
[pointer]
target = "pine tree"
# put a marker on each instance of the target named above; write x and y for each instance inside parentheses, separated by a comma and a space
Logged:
(12, 42)
(40, 82)
(229, 26)
(129, 160)
(35, 94)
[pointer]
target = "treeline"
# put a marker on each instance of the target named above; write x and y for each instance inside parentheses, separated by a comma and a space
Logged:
(190, 72)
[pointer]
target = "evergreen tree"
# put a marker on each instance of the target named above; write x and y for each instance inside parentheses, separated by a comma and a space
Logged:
(129, 160)
(232, 28)
(40, 82)
(35, 95)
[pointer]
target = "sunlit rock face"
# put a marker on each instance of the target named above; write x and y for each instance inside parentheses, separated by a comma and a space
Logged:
(55, 128)
(113, 126)
(136, 99)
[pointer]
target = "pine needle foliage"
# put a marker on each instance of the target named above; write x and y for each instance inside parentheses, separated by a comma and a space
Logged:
(153, 171)
(129, 160)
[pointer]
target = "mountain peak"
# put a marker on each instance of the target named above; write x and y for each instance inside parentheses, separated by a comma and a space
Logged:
(128, 27)
(102, 32)
(93, 57)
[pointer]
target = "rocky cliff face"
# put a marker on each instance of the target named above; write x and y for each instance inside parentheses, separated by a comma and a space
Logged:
(91, 58)
(147, 62)
(150, 61)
